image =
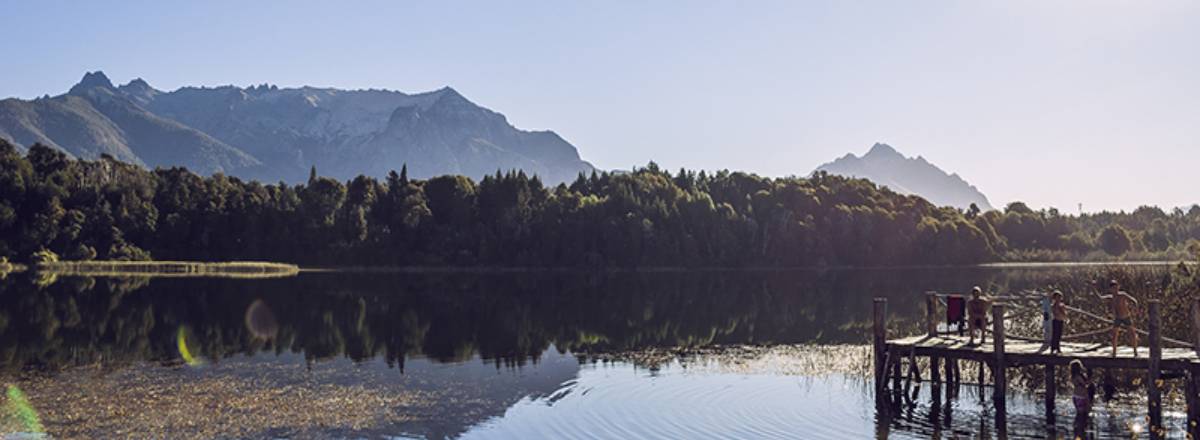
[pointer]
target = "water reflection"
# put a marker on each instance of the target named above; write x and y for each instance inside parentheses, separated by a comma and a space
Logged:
(492, 355)
(507, 318)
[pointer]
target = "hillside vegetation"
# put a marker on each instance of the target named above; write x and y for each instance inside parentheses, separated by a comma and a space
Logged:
(105, 209)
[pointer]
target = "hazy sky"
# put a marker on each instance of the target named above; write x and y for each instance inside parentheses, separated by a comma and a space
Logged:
(1054, 103)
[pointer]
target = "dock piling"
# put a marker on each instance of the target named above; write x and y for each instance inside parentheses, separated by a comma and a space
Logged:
(880, 330)
(999, 377)
(935, 372)
(1192, 389)
(931, 313)
(1051, 393)
(896, 377)
(1153, 393)
(1193, 402)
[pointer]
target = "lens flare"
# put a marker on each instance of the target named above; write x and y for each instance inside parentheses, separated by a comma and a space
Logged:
(261, 321)
(18, 405)
(181, 338)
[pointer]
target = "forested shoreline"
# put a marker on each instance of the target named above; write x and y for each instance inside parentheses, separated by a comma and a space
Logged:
(52, 206)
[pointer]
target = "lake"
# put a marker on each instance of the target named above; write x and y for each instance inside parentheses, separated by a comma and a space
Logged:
(671, 354)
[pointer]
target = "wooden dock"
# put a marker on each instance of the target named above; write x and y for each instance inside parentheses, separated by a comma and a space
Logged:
(1020, 353)
(999, 354)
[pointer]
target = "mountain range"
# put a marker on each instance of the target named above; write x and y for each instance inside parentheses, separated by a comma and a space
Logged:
(277, 134)
(887, 167)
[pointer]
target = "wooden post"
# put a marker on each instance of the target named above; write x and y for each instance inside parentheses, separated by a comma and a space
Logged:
(1196, 326)
(1193, 403)
(1051, 393)
(880, 339)
(914, 370)
(896, 359)
(1193, 375)
(931, 313)
(935, 372)
(999, 376)
(1154, 395)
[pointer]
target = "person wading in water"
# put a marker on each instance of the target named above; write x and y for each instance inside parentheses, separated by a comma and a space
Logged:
(1082, 394)
(1122, 305)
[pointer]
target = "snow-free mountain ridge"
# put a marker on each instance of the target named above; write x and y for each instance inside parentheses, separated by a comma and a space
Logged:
(887, 167)
(277, 134)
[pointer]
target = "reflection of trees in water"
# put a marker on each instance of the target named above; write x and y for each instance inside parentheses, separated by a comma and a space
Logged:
(505, 318)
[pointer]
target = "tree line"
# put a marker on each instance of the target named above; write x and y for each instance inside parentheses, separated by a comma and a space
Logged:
(52, 206)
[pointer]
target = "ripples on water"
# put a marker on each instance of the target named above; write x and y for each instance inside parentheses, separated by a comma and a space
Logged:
(620, 401)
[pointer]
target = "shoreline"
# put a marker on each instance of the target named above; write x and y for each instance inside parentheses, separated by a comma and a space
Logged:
(266, 269)
(654, 269)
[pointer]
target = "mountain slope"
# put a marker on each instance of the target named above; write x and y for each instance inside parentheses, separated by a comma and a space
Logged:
(272, 134)
(887, 167)
(95, 118)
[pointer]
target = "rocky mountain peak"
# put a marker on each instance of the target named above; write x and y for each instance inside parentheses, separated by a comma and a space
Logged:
(882, 150)
(137, 84)
(139, 91)
(887, 167)
(92, 80)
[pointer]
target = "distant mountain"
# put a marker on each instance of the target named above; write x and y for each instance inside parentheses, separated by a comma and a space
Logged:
(887, 167)
(273, 134)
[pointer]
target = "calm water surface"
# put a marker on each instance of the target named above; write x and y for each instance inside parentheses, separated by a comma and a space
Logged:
(527, 355)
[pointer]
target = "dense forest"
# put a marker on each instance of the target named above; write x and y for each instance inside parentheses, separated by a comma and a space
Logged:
(52, 206)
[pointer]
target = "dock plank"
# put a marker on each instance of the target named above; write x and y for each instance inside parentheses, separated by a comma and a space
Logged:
(1018, 353)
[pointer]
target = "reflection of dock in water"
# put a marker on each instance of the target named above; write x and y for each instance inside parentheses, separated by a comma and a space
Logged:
(944, 350)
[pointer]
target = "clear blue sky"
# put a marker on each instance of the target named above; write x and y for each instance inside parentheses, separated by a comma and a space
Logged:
(1054, 103)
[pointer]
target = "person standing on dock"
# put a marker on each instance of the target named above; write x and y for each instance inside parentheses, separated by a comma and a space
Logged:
(1047, 306)
(1121, 304)
(977, 309)
(1058, 311)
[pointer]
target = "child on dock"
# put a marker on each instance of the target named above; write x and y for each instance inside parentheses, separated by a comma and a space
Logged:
(977, 316)
(1121, 304)
(1058, 311)
(1047, 306)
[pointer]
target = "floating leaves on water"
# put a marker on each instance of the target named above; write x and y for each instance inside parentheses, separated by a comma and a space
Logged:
(181, 341)
(18, 406)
